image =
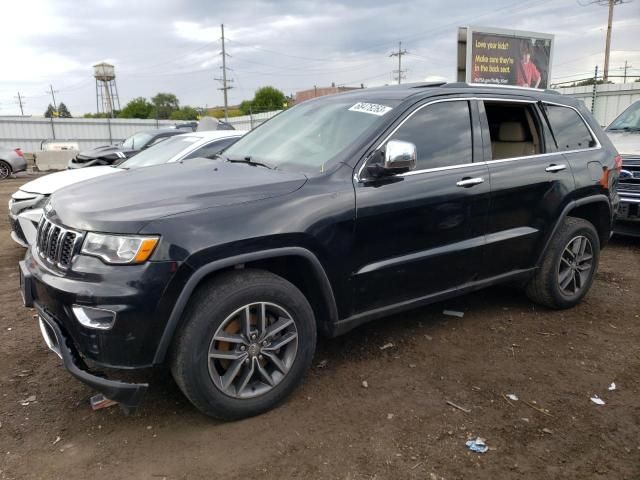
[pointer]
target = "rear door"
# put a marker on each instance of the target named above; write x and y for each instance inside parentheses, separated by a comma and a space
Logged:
(530, 183)
(422, 232)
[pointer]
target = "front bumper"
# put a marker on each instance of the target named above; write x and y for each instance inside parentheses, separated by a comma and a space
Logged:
(134, 293)
(128, 395)
(628, 216)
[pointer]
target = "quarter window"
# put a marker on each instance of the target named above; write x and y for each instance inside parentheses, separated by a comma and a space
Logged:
(568, 128)
(441, 133)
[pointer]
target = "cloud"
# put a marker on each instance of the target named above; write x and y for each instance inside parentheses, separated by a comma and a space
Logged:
(293, 45)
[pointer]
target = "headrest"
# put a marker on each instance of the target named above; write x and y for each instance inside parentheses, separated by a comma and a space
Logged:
(511, 132)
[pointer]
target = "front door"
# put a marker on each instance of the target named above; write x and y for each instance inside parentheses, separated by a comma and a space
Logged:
(421, 233)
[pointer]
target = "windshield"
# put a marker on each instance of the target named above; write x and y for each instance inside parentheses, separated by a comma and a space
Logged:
(162, 152)
(628, 120)
(138, 140)
(310, 135)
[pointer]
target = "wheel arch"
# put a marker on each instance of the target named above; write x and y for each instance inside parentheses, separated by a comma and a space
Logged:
(596, 209)
(295, 264)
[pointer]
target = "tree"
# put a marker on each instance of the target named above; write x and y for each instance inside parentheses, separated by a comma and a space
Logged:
(164, 104)
(267, 99)
(51, 112)
(63, 111)
(137, 108)
(184, 113)
(246, 106)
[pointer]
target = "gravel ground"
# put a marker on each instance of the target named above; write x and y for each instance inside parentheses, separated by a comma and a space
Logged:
(399, 427)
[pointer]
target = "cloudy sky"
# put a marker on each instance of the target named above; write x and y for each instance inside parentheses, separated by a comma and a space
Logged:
(173, 46)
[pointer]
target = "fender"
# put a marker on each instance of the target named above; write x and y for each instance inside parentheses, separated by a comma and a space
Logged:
(198, 275)
(565, 213)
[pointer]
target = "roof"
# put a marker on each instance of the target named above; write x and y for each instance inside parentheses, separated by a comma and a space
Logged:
(428, 89)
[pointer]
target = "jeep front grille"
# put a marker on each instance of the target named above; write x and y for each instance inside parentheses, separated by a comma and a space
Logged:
(629, 182)
(56, 245)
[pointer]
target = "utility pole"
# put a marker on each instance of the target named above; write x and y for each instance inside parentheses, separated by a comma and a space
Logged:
(594, 91)
(399, 54)
(611, 4)
(608, 47)
(626, 66)
(53, 96)
(21, 101)
(224, 80)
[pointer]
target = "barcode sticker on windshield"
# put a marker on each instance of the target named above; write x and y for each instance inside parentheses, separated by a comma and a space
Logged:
(372, 108)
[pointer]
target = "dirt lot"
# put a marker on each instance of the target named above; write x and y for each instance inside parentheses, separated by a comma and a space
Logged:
(399, 427)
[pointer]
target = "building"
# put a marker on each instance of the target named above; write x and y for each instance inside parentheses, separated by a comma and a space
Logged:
(314, 92)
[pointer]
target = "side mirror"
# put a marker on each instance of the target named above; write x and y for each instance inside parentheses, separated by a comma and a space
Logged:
(399, 157)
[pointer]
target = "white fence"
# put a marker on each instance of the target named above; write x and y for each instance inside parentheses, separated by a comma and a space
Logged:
(607, 101)
(29, 133)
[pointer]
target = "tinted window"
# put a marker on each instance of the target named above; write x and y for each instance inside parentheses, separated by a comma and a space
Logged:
(211, 149)
(441, 133)
(568, 128)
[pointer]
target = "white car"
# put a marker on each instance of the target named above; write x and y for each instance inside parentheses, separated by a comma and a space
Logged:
(624, 132)
(26, 205)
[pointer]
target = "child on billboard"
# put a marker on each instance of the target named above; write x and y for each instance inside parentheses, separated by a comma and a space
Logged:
(527, 74)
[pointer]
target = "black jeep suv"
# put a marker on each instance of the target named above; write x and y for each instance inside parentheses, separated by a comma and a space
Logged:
(340, 210)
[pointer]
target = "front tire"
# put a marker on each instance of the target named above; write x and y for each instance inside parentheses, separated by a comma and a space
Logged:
(5, 170)
(569, 266)
(248, 338)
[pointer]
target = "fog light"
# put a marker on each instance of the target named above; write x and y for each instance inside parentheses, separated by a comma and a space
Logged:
(96, 318)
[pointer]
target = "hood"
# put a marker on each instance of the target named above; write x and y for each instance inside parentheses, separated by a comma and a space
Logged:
(104, 151)
(126, 202)
(48, 184)
(627, 143)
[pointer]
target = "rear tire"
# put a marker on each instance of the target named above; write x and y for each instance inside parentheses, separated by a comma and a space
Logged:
(569, 267)
(248, 338)
(5, 170)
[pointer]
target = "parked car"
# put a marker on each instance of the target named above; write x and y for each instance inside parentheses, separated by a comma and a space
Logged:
(340, 210)
(11, 161)
(25, 206)
(113, 154)
(624, 132)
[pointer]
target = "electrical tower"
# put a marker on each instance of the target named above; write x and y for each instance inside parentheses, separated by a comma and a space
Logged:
(107, 100)
(225, 81)
(400, 73)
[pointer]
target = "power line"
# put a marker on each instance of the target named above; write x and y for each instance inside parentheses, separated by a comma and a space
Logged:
(53, 96)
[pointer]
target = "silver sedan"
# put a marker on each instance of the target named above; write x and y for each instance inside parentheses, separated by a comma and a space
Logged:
(11, 161)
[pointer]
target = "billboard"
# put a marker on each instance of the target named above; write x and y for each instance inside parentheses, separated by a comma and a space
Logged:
(504, 57)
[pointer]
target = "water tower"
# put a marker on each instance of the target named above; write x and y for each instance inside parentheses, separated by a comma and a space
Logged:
(106, 89)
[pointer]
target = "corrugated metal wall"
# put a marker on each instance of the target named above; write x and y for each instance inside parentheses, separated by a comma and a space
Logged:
(610, 99)
(28, 133)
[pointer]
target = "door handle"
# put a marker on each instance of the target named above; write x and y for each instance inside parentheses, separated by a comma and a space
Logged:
(555, 168)
(470, 182)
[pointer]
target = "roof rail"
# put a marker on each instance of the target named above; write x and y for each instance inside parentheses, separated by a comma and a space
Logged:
(426, 84)
(492, 85)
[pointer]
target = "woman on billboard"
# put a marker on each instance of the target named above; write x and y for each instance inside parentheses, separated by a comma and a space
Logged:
(527, 74)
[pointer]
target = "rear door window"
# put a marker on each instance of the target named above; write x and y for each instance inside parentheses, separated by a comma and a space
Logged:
(441, 133)
(514, 129)
(568, 128)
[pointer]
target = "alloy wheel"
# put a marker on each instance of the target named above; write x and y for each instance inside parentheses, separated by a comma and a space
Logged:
(576, 265)
(5, 171)
(252, 350)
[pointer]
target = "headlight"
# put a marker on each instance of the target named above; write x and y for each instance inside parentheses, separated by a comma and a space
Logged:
(120, 249)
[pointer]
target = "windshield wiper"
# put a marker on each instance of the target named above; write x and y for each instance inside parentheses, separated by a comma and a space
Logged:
(248, 161)
(626, 129)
